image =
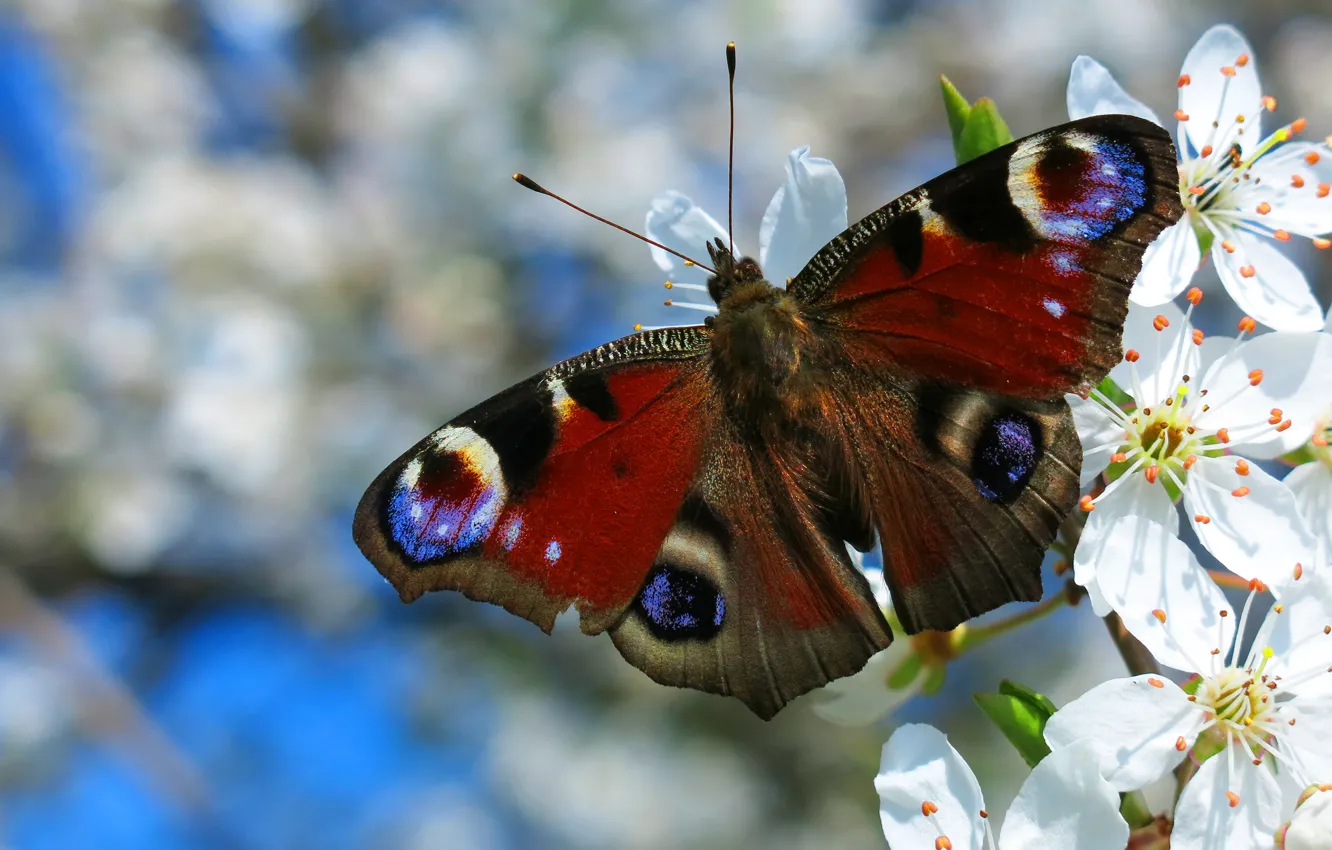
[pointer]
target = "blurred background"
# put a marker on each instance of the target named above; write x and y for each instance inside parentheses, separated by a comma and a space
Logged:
(250, 250)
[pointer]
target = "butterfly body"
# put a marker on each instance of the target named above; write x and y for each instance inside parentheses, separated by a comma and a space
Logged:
(691, 490)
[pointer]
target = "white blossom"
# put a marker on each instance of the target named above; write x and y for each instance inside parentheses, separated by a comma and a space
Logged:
(1260, 711)
(1200, 413)
(806, 212)
(1242, 191)
(928, 797)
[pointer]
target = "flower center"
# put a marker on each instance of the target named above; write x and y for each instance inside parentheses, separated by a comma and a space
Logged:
(1241, 700)
(1164, 433)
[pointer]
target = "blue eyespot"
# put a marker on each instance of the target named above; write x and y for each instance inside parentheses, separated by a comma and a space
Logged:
(679, 605)
(1005, 456)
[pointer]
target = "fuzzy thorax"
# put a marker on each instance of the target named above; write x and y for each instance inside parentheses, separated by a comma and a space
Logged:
(762, 346)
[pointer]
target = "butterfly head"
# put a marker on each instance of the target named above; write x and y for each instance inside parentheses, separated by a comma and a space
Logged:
(731, 272)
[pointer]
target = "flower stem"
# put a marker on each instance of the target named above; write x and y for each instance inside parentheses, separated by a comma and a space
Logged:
(1137, 658)
(1133, 806)
(976, 635)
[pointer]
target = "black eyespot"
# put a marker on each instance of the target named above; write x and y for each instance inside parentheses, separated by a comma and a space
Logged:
(679, 605)
(1005, 456)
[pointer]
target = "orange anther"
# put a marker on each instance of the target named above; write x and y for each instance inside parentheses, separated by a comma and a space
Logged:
(1242, 467)
(1197, 337)
(1320, 242)
(1206, 151)
(1255, 377)
(1248, 271)
(1298, 125)
(1312, 157)
(1184, 80)
(1281, 235)
(1156, 683)
(1194, 295)
(1118, 457)
(1190, 461)
(1319, 440)
(1242, 60)
(1264, 208)
(1160, 322)
(1323, 190)
(1152, 472)
(1240, 492)
(1269, 103)
(1202, 518)
(1196, 191)
(1223, 434)
(1230, 795)
(1086, 504)
(942, 843)
(1131, 355)
(1257, 586)
(927, 808)
(1228, 70)
(1297, 181)
(984, 813)
(1284, 425)
(1247, 325)
(1159, 614)
(1181, 115)
(1299, 571)
(1228, 245)
(1181, 744)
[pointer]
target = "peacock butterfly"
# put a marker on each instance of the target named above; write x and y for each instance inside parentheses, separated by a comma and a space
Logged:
(690, 489)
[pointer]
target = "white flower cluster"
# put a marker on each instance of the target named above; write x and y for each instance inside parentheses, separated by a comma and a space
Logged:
(1189, 425)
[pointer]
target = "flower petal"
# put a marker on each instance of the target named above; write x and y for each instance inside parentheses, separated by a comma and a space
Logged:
(1311, 825)
(1134, 725)
(1142, 569)
(1277, 294)
(1296, 379)
(1135, 497)
(1204, 817)
(1293, 631)
(677, 222)
(1100, 434)
(1165, 355)
(1092, 90)
(1312, 485)
(1257, 535)
(1065, 802)
(919, 766)
(804, 215)
(1297, 208)
(1168, 265)
(1212, 96)
(864, 698)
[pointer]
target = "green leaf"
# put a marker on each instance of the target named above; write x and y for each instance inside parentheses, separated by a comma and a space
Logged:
(1021, 714)
(1112, 391)
(957, 109)
(1022, 692)
(905, 673)
(984, 132)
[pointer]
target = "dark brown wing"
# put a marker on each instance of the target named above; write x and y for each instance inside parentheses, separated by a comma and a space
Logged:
(751, 595)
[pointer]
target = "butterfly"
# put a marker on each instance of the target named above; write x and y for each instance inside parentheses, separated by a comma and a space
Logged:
(691, 490)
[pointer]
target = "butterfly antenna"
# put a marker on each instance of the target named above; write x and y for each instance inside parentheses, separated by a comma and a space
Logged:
(528, 183)
(730, 153)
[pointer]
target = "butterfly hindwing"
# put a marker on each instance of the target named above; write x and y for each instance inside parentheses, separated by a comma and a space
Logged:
(751, 595)
(557, 491)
